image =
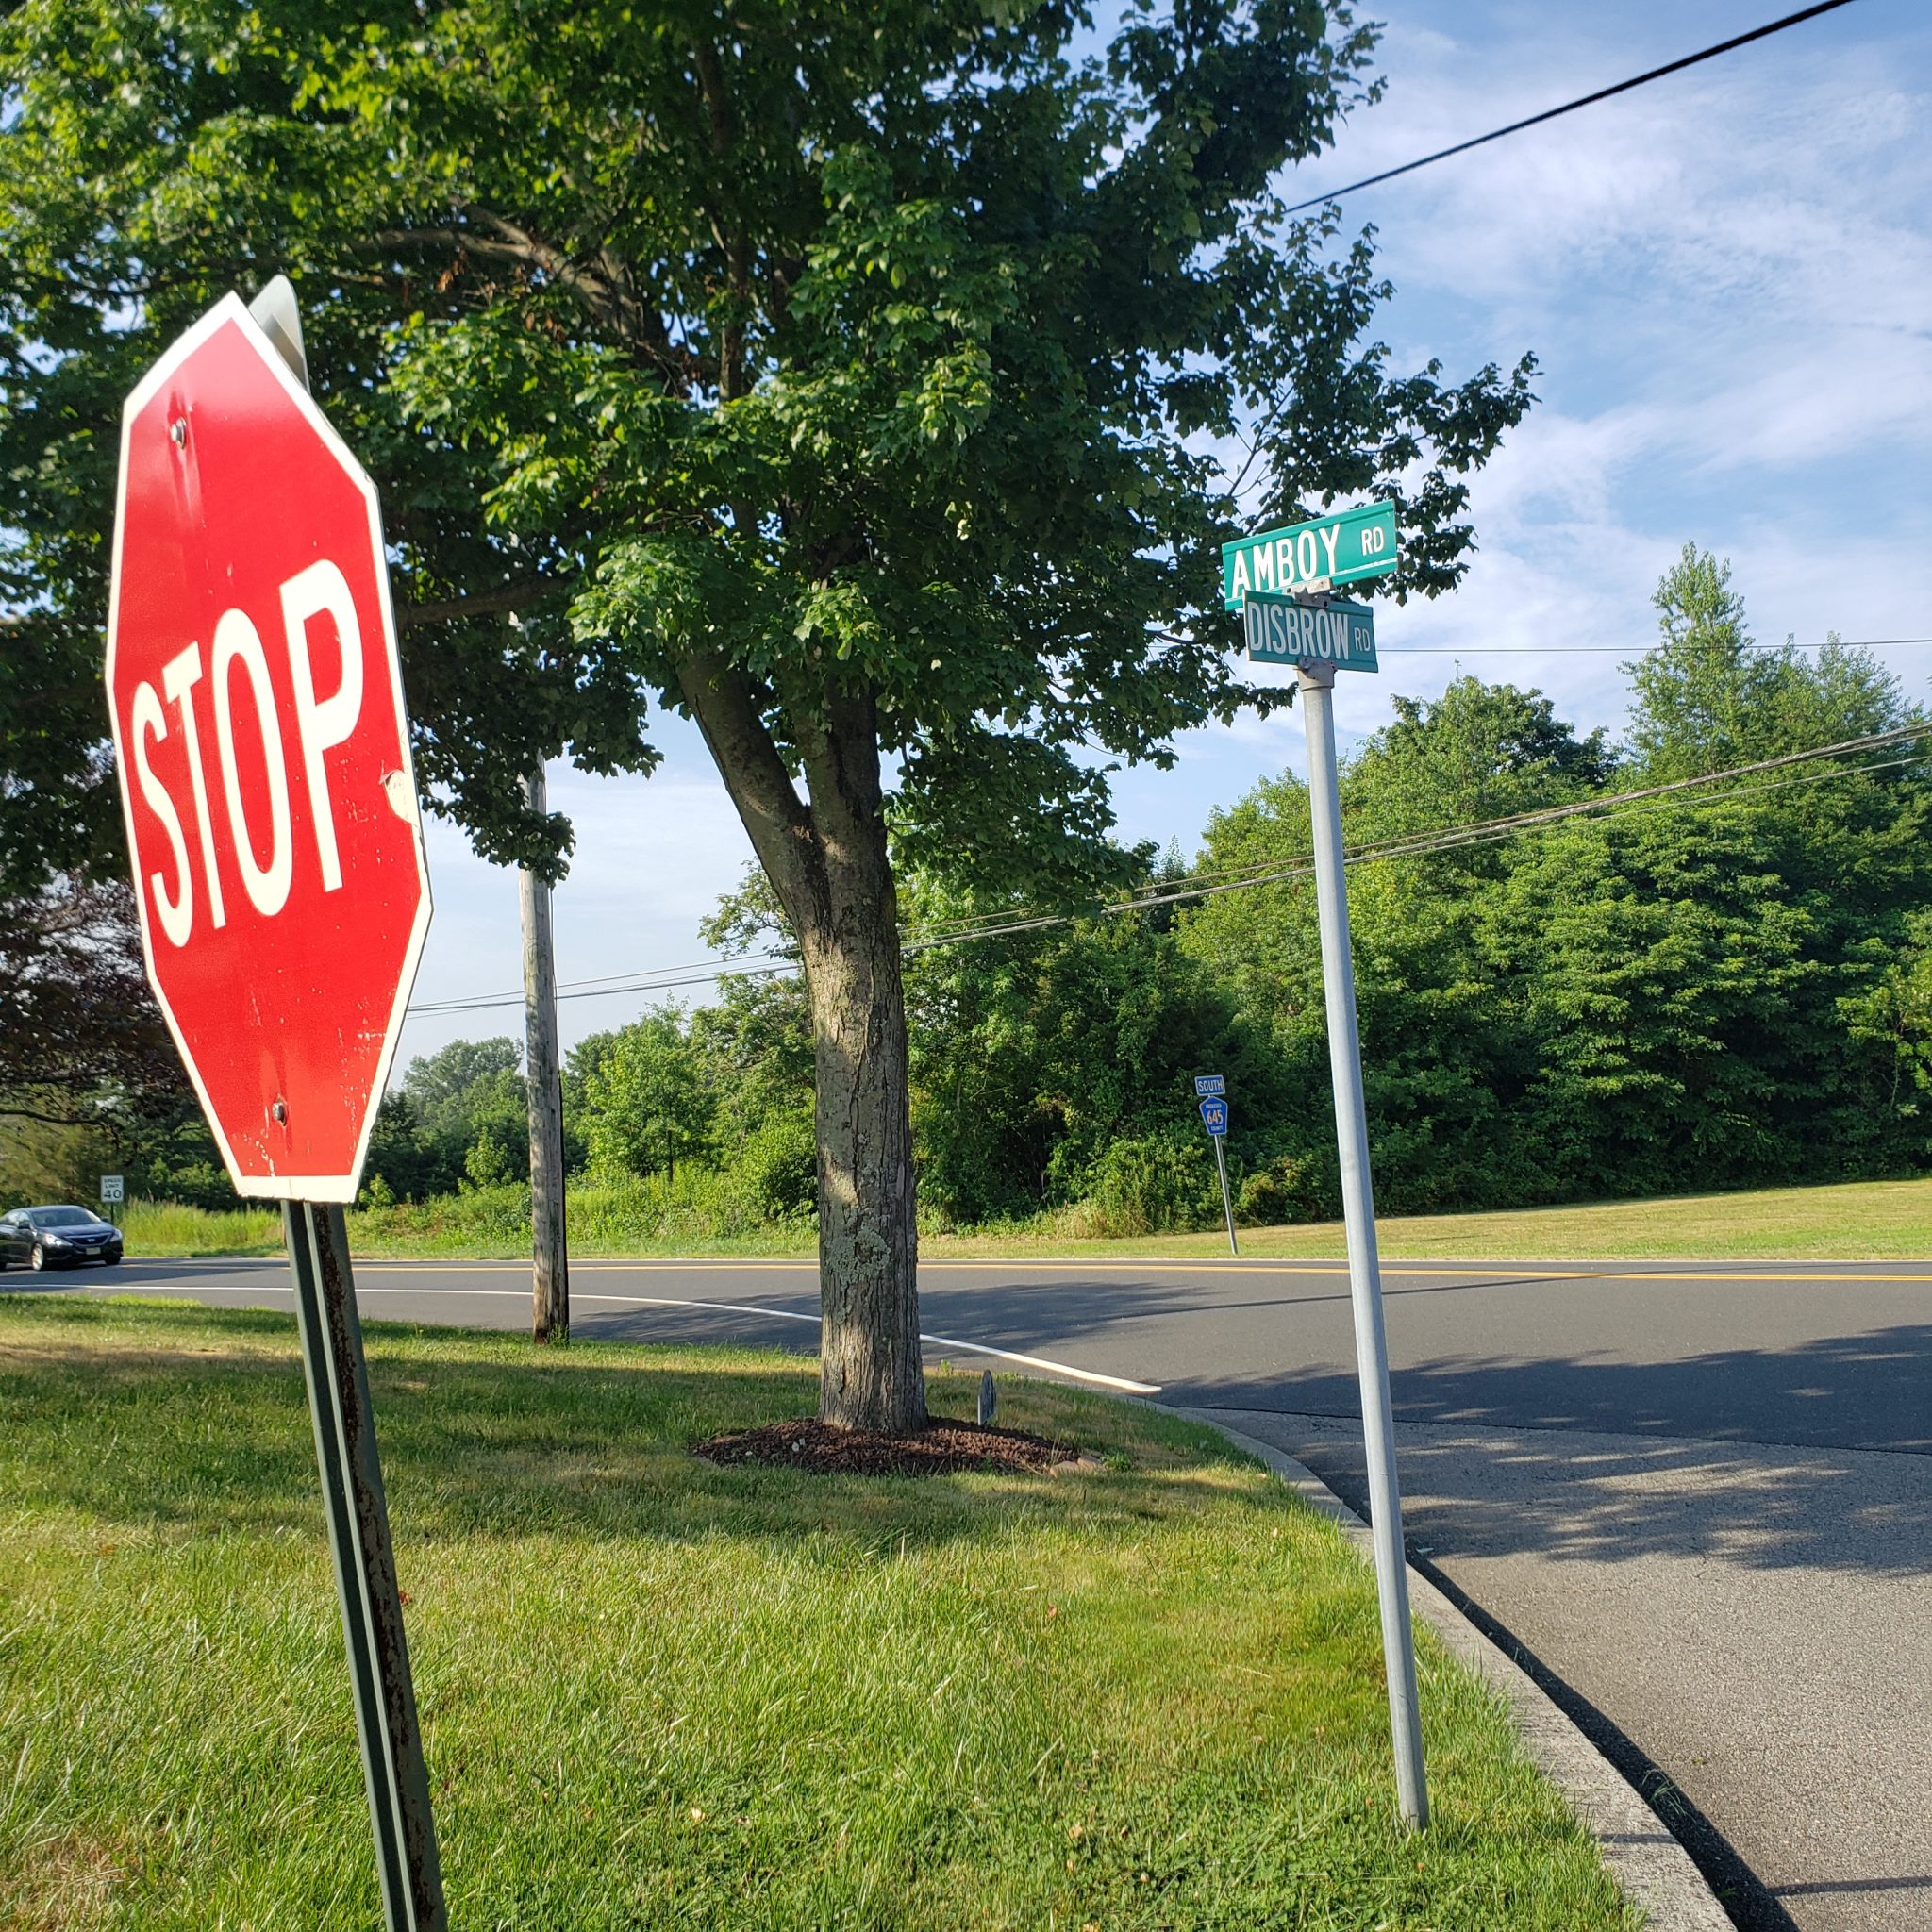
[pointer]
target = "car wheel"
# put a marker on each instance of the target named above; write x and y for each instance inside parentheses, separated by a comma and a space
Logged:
(37, 1260)
(110, 1260)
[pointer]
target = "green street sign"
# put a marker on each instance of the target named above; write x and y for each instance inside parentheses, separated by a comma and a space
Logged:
(1331, 550)
(1280, 631)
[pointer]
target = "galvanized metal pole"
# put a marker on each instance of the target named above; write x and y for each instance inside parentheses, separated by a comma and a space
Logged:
(549, 1235)
(1317, 685)
(394, 1770)
(1227, 1199)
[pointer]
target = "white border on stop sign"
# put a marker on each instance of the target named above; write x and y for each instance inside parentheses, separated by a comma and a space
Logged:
(232, 308)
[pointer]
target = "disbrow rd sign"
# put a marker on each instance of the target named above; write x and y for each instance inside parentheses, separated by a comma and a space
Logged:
(264, 761)
(1279, 631)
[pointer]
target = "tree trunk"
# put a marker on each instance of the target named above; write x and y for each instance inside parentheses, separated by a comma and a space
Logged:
(829, 864)
(870, 1370)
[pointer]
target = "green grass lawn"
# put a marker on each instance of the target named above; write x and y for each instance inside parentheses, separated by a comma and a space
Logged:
(663, 1694)
(1875, 1221)
(1872, 1221)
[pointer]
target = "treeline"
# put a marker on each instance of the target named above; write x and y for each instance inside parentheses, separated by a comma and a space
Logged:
(1719, 987)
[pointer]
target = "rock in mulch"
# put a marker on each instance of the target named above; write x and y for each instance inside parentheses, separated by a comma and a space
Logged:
(942, 1448)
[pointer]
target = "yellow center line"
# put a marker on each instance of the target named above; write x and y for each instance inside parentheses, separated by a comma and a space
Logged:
(1524, 1270)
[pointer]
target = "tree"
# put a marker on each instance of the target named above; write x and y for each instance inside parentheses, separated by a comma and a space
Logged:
(447, 1086)
(842, 376)
(1707, 698)
(1481, 750)
(645, 1106)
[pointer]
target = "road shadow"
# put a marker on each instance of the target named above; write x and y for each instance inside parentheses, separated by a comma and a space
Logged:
(1860, 1391)
(1593, 1496)
(1862, 1388)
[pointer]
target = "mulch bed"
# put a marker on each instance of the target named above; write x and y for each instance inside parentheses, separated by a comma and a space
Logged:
(942, 1448)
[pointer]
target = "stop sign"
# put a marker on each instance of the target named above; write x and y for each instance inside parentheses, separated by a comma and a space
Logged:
(265, 756)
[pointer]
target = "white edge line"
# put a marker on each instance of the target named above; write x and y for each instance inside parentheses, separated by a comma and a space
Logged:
(649, 1300)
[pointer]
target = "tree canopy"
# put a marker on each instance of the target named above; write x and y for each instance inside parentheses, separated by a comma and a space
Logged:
(852, 379)
(852, 353)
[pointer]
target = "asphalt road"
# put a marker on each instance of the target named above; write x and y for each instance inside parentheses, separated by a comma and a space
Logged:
(1701, 1495)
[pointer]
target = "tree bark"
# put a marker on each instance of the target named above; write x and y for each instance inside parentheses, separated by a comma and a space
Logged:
(871, 1375)
(829, 865)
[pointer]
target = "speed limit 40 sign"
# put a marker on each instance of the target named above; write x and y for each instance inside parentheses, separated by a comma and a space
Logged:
(264, 755)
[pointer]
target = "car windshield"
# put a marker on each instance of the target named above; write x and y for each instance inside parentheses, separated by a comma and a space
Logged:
(63, 1217)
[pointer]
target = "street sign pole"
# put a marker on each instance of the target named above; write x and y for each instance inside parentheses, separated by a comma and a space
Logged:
(394, 1774)
(394, 1770)
(1213, 1091)
(1226, 1200)
(1317, 685)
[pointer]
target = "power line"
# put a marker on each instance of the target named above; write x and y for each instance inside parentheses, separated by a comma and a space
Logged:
(1603, 93)
(1233, 879)
(1636, 650)
(616, 983)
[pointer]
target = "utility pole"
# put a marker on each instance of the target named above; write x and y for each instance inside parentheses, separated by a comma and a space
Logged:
(1317, 683)
(542, 1078)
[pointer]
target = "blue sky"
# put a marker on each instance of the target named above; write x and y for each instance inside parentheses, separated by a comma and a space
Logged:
(1727, 279)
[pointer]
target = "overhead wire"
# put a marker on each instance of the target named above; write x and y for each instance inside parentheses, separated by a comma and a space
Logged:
(1583, 650)
(1589, 100)
(1635, 651)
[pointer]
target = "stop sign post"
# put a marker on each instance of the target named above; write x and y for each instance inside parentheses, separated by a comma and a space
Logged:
(272, 825)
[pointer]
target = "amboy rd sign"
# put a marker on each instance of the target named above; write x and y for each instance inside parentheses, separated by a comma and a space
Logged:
(272, 819)
(265, 756)
(1341, 549)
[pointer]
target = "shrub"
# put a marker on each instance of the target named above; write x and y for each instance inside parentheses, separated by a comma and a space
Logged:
(1289, 1188)
(775, 1171)
(1156, 1185)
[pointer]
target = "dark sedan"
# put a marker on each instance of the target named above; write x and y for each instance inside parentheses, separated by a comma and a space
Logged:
(57, 1238)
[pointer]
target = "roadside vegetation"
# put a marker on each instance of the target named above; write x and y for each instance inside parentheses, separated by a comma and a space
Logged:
(1146, 1695)
(1715, 994)
(1857, 1221)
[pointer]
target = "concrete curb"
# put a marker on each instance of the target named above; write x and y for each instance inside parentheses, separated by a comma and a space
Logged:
(1654, 1869)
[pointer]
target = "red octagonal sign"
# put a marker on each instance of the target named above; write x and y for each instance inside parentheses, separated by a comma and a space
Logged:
(265, 756)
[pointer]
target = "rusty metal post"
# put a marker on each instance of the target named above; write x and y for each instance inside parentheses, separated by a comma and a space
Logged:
(358, 1539)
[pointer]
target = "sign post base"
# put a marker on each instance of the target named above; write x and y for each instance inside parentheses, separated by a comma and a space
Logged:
(393, 1764)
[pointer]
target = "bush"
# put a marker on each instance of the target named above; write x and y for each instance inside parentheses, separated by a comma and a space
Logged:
(1161, 1184)
(1289, 1188)
(775, 1171)
(487, 1163)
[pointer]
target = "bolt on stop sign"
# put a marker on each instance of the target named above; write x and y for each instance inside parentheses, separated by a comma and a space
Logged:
(265, 756)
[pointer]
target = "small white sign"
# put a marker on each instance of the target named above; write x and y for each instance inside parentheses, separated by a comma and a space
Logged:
(113, 1189)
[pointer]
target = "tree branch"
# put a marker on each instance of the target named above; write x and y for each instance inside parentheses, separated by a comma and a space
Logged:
(10, 1111)
(606, 295)
(776, 820)
(495, 603)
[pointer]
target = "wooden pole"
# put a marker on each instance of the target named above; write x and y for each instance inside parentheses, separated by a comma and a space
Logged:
(549, 1240)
